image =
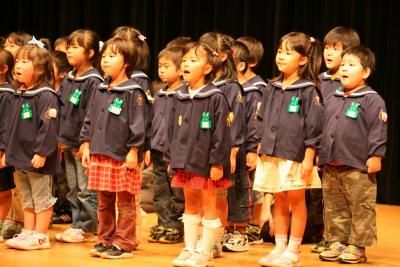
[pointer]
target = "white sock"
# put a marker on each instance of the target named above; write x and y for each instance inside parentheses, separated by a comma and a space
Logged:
(191, 229)
(281, 241)
(210, 232)
(294, 244)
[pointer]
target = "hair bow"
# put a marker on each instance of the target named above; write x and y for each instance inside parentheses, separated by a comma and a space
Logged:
(39, 43)
(142, 37)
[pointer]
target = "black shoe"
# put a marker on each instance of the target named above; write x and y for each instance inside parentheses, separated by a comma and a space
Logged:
(98, 250)
(114, 252)
(62, 219)
(171, 236)
(156, 232)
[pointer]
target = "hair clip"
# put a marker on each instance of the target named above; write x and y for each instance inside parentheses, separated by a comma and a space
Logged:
(39, 43)
(312, 40)
(141, 37)
(215, 54)
(101, 43)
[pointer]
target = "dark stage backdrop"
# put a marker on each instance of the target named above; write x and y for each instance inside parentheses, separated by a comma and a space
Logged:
(162, 20)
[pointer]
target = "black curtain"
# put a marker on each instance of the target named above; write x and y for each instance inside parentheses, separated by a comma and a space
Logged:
(162, 20)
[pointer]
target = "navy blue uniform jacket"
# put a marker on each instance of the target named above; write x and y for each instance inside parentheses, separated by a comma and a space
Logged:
(110, 134)
(194, 149)
(6, 93)
(351, 141)
(328, 85)
(36, 135)
(287, 135)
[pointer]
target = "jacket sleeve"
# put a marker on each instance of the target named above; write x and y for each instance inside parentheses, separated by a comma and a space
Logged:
(237, 107)
(4, 105)
(170, 131)
(376, 117)
(251, 140)
(313, 117)
(221, 143)
(85, 131)
(48, 109)
(260, 110)
(136, 118)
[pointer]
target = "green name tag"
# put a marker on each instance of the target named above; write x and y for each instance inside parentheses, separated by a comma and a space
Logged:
(26, 111)
(294, 105)
(75, 97)
(116, 106)
(352, 111)
(205, 122)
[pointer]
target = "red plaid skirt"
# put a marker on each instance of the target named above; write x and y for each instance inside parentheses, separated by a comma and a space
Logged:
(190, 180)
(108, 174)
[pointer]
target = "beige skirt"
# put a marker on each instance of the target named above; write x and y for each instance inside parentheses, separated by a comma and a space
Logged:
(278, 175)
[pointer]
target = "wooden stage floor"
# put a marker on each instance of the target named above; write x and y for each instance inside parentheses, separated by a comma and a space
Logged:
(386, 253)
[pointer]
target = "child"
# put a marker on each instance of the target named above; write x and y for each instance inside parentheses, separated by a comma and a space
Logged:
(31, 145)
(138, 75)
(168, 202)
(61, 68)
(13, 225)
(113, 133)
(353, 144)
(76, 92)
(226, 81)
(335, 41)
(15, 41)
(290, 129)
(6, 94)
(200, 151)
(61, 44)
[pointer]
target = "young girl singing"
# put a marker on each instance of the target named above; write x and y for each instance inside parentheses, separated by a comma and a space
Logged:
(290, 130)
(200, 151)
(113, 133)
(31, 143)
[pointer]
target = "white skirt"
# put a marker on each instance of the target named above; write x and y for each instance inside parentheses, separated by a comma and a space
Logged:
(278, 175)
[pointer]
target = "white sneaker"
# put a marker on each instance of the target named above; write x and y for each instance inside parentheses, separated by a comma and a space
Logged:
(273, 255)
(200, 259)
(73, 235)
(287, 259)
(13, 242)
(237, 243)
(34, 241)
(182, 258)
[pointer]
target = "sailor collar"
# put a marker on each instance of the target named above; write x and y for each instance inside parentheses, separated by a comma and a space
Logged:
(204, 92)
(296, 85)
(139, 74)
(328, 76)
(90, 73)
(6, 87)
(361, 92)
(33, 92)
(124, 86)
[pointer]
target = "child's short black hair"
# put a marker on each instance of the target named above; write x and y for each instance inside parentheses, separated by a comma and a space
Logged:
(366, 56)
(61, 61)
(345, 35)
(173, 53)
(255, 48)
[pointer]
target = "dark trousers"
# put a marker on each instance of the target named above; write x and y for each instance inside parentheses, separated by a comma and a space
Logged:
(169, 203)
(122, 232)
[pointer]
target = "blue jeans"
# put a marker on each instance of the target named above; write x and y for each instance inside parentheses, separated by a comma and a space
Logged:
(83, 201)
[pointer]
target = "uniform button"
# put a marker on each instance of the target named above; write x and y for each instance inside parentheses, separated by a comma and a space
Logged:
(273, 129)
(186, 120)
(332, 136)
(100, 127)
(102, 110)
(277, 110)
(337, 116)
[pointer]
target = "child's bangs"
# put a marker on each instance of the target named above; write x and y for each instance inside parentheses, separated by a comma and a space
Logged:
(26, 52)
(76, 39)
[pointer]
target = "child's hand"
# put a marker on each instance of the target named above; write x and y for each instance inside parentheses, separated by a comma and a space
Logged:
(265, 217)
(38, 161)
(216, 172)
(85, 155)
(374, 164)
(132, 158)
(306, 168)
(2, 159)
(234, 152)
(79, 153)
(147, 158)
(251, 160)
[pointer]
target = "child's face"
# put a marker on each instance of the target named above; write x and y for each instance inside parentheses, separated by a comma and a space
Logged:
(167, 71)
(76, 54)
(195, 67)
(23, 71)
(351, 73)
(287, 60)
(11, 47)
(333, 56)
(112, 63)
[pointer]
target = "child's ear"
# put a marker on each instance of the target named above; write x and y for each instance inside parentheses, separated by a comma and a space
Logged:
(207, 69)
(303, 61)
(223, 57)
(90, 53)
(241, 66)
(3, 69)
(366, 73)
